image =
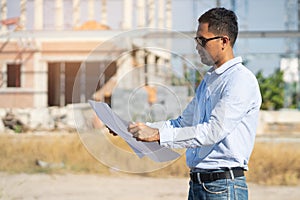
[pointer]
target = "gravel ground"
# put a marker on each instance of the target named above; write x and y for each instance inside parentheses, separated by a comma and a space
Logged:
(95, 187)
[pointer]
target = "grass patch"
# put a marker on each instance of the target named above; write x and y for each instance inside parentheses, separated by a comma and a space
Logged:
(275, 164)
(270, 163)
(19, 153)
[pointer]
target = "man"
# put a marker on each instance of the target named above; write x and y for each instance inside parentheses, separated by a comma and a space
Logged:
(218, 126)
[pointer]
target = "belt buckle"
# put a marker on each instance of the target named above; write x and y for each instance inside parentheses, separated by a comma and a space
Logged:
(231, 174)
(199, 177)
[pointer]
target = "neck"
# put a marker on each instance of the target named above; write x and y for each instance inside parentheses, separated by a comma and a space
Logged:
(225, 57)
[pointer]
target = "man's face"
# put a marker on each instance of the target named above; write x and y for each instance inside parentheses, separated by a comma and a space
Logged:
(209, 52)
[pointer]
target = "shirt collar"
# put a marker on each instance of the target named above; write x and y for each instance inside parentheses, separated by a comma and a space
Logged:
(228, 64)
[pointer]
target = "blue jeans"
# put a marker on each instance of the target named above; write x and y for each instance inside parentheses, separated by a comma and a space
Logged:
(222, 189)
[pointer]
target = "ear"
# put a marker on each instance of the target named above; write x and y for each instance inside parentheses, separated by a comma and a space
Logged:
(225, 42)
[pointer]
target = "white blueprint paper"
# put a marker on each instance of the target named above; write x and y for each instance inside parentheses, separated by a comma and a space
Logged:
(150, 149)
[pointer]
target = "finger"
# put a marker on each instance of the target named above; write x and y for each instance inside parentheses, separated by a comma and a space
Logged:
(135, 135)
(109, 130)
(131, 126)
(133, 129)
(135, 124)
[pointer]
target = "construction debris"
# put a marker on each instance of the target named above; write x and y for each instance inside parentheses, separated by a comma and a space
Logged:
(12, 122)
(68, 118)
(44, 164)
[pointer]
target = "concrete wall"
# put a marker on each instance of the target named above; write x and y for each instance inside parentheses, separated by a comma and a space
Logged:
(133, 104)
(81, 117)
(279, 122)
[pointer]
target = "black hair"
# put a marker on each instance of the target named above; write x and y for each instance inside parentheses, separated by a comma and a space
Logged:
(221, 22)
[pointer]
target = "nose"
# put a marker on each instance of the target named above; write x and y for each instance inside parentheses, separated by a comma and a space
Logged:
(198, 47)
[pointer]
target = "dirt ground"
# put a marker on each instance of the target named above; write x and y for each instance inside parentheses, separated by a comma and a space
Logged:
(95, 187)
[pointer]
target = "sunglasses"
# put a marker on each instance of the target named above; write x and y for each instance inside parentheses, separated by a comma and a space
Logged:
(202, 41)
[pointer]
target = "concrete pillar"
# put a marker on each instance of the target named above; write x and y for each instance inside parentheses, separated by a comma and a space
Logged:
(3, 76)
(83, 83)
(23, 14)
(168, 25)
(104, 12)
(127, 14)
(38, 14)
(76, 13)
(59, 15)
(151, 13)
(91, 10)
(62, 97)
(141, 13)
(161, 13)
(169, 14)
(151, 67)
(3, 14)
(146, 81)
(40, 81)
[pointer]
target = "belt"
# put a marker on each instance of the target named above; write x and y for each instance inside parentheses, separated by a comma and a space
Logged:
(199, 177)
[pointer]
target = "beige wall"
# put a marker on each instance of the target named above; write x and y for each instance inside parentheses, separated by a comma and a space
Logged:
(16, 100)
(33, 90)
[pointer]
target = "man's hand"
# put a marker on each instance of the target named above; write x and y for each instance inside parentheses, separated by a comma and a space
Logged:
(144, 133)
(111, 131)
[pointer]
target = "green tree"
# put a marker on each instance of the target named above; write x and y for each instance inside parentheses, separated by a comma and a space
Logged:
(294, 95)
(272, 90)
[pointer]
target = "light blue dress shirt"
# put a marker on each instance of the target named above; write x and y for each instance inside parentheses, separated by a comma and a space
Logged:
(218, 126)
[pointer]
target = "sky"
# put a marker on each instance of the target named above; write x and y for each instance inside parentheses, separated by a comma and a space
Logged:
(253, 15)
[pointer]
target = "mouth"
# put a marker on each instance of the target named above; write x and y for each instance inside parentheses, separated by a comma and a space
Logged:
(205, 59)
(201, 54)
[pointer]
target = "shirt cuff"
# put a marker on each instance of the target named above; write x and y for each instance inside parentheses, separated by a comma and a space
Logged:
(166, 136)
